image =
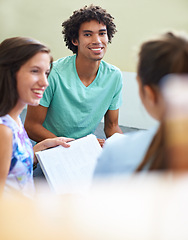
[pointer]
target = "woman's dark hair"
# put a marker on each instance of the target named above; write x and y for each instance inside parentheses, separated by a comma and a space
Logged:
(162, 56)
(159, 57)
(14, 52)
(72, 25)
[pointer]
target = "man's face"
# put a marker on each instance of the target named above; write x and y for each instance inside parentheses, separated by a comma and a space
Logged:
(92, 41)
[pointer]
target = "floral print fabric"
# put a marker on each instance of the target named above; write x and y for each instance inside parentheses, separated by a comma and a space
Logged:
(20, 175)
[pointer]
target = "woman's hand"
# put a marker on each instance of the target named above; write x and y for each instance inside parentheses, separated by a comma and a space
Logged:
(51, 142)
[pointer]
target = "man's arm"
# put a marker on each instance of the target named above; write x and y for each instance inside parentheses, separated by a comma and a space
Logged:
(111, 123)
(33, 123)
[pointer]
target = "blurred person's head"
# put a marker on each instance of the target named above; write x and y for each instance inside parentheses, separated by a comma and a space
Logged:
(157, 58)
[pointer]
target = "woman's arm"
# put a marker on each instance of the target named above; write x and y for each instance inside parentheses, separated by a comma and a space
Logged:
(5, 154)
(51, 142)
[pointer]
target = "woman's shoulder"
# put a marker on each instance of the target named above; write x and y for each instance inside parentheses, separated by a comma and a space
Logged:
(135, 137)
(4, 125)
(123, 152)
(5, 134)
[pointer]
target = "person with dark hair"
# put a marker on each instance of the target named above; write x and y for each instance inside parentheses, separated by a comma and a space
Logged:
(144, 150)
(24, 67)
(82, 88)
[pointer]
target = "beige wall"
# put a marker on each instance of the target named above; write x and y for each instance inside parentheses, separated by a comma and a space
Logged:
(136, 20)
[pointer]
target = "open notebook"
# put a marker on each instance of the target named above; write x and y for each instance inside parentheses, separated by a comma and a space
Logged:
(70, 170)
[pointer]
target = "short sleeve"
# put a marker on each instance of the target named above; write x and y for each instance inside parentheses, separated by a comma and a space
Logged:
(117, 98)
(49, 92)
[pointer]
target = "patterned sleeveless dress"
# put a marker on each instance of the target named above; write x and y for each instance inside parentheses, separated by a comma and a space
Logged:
(20, 176)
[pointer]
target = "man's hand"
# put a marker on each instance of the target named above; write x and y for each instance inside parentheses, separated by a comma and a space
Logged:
(101, 141)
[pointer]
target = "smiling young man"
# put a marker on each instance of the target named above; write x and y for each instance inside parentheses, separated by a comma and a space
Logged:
(82, 88)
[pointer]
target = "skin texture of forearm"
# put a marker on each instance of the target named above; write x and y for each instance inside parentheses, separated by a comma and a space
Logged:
(109, 131)
(38, 133)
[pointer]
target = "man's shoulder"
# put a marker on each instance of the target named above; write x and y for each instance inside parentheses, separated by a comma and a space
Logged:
(64, 61)
(109, 67)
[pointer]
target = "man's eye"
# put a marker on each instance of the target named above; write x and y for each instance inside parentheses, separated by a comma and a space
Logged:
(87, 34)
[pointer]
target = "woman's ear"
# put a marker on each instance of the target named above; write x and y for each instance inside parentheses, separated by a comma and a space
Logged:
(75, 42)
(154, 102)
(151, 94)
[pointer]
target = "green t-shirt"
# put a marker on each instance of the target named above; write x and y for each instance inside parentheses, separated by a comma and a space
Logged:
(75, 110)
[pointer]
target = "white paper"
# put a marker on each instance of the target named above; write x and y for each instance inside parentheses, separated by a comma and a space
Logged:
(70, 170)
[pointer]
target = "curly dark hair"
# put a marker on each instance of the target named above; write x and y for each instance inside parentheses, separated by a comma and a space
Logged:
(72, 25)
